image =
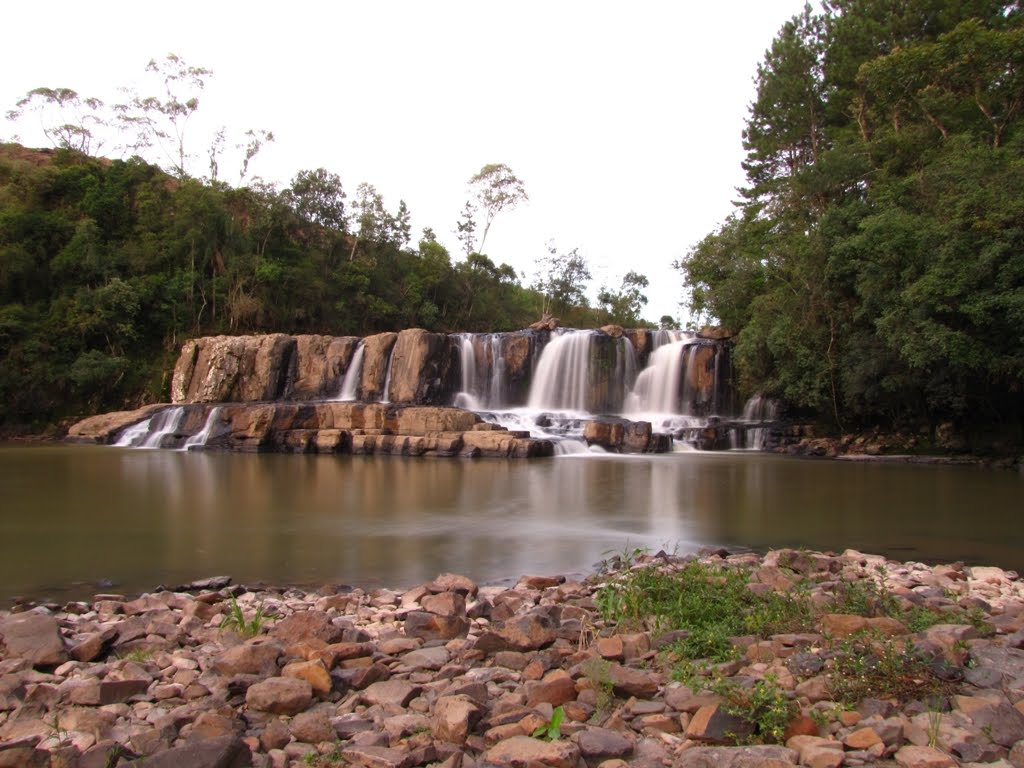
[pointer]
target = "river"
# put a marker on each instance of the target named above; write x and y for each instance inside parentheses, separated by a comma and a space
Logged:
(78, 519)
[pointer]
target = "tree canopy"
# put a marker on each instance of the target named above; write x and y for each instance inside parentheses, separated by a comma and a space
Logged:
(874, 269)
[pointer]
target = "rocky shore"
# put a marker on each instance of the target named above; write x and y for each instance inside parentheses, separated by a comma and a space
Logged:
(549, 672)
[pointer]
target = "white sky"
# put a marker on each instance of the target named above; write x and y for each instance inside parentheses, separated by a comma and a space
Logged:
(623, 120)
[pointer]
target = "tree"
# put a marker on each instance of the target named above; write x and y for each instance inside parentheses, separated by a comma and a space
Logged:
(68, 120)
(562, 280)
(625, 305)
(495, 189)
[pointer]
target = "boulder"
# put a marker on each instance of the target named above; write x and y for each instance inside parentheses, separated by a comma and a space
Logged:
(280, 696)
(525, 752)
(376, 357)
(422, 368)
(34, 637)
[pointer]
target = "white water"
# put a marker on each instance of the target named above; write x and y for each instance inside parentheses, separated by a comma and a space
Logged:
(135, 435)
(199, 438)
(757, 410)
(350, 384)
(164, 423)
(385, 396)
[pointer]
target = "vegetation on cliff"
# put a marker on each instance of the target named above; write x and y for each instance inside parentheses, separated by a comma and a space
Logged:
(874, 269)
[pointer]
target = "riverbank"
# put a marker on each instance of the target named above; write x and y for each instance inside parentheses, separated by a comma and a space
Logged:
(844, 659)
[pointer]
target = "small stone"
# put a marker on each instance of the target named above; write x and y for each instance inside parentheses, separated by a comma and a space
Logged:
(712, 724)
(556, 689)
(430, 626)
(603, 743)
(377, 757)
(454, 718)
(525, 751)
(280, 696)
(391, 692)
(253, 658)
(862, 738)
(923, 757)
(304, 626)
(313, 672)
(627, 681)
(313, 727)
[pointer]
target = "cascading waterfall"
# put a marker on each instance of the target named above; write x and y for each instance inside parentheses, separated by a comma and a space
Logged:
(657, 388)
(562, 378)
(760, 411)
(135, 435)
(467, 397)
(163, 424)
(350, 383)
(198, 440)
(385, 395)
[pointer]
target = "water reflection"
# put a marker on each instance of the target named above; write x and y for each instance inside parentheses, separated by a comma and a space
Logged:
(76, 515)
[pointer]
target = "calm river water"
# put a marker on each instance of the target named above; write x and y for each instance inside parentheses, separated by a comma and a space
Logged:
(79, 519)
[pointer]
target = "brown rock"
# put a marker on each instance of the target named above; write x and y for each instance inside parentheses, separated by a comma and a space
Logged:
(313, 727)
(304, 626)
(556, 689)
(598, 743)
(430, 626)
(923, 757)
(627, 681)
(529, 632)
(253, 658)
(103, 427)
(280, 696)
(34, 637)
(454, 718)
(220, 752)
(391, 692)
(378, 757)
(313, 672)
(277, 734)
(376, 355)
(421, 368)
(862, 738)
(713, 724)
(527, 752)
(763, 756)
(444, 604)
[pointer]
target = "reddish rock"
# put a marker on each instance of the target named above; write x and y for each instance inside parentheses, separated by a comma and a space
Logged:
(527, 752)
(313, 672)
(304, 626)
(313, 727)
(923, 757)
(556, 689)
(280, 696)
(253, 658)
(430, 626)
(627, 681)
(713, 724)
(394, 692)
(454, 718)
(34, 637)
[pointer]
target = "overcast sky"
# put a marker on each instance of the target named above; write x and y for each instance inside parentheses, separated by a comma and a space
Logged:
(622, 119)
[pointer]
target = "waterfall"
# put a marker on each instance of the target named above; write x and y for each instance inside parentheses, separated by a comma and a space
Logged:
(198, 440)
(496, 390)
(583, 371)
(757, 410)
(385, 395)
(467, 397)
(134, 435)
(657, 388)
(350, 384)
(562, 379)
(164, 423)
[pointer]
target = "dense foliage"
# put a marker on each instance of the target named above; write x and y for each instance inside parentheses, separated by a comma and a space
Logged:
(874, 269)
(107, 266)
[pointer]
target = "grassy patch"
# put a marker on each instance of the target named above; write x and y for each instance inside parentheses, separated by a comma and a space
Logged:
(712, 604)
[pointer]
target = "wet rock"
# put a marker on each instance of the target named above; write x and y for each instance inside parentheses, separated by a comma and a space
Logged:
(34, 637)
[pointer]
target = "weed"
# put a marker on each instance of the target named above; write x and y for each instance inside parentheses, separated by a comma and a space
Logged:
(58, 732)
(764, 704)
(934, 727)
(711, 604)
(236, 620)
(138, 655)
(866, 666)
(598, 674)
(552, 729)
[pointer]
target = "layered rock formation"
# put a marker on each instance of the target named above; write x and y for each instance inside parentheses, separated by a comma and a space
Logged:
(322, 427)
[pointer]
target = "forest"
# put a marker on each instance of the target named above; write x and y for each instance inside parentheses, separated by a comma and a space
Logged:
(873, 270)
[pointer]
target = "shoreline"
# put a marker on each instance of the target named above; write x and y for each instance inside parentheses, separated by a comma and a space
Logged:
(455, 674)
